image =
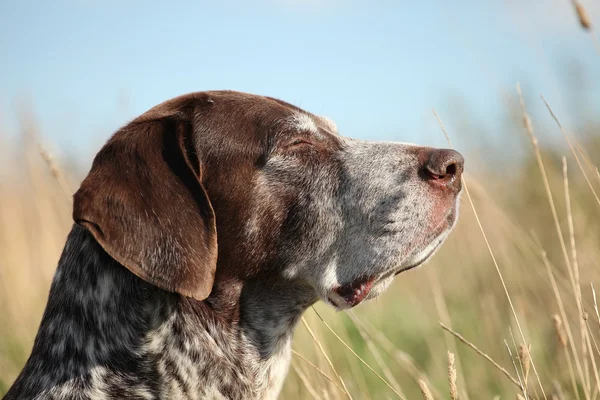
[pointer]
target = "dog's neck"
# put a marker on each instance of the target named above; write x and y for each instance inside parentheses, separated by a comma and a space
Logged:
(265, 310)
(111, 324)
(269, 313)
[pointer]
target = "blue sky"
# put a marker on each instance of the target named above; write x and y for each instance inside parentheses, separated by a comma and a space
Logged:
(376, 67)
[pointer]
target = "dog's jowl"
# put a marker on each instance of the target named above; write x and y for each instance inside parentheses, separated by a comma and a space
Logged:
(206, 227)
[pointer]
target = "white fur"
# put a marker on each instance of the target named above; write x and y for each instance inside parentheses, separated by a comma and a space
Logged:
(304, 122)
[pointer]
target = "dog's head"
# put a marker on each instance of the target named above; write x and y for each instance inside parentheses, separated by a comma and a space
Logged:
(230, 186)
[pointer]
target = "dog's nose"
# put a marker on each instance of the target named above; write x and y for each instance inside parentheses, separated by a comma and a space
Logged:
(444, 167)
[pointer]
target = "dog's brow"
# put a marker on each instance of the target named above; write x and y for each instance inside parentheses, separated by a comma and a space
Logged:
(303, 122)
(331, 125)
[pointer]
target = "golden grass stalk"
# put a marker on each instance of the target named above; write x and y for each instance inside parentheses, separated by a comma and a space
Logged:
(586, 158)
(320, 346)
(379, 360)
(521, 376)
(425, 390)
(594, 342)
(590, 340)
(489, 248)
(452, 377)
(538, 157)
(563, 335)
(442, 310)
(512, 359)
(319, 370)
(542, 168)
(577, 284)
(585, 21)
(595, 303)
(592, 358)
(305, 381)
(525, 361)
(356, 371)
(357, 356)
(594, 365)
(582, 15)
(481, 353)
(56, 171)
(562, 129)
(571, 233)
(402, 358)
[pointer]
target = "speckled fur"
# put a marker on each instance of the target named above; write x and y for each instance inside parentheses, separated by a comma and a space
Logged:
(112, 336)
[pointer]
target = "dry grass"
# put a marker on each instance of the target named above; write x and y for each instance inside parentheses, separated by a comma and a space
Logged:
(452, 376)
(425, 392)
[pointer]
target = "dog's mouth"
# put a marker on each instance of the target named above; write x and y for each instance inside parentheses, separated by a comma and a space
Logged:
(351, 294)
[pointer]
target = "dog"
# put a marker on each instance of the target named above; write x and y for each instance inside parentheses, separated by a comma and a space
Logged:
(203, 231)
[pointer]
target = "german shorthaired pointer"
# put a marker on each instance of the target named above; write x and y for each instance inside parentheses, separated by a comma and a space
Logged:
(206, 227)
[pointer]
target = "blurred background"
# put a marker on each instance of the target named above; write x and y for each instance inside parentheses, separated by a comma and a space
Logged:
(525, 251)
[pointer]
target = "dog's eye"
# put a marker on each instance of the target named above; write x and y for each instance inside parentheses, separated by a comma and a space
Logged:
(297, 143)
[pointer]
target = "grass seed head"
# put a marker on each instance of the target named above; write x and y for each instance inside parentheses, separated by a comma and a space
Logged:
(584, 18)
(560, 332)
(452, 376)
(525, 359)
(425, 390)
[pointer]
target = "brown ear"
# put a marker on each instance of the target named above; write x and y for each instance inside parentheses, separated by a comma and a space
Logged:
(144, 203)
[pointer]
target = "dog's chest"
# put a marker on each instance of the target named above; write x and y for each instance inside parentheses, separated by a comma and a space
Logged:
(179, 367)
(106, 334)
(213, 364)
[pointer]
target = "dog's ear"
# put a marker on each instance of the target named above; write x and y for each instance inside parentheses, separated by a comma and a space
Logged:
(144, 202)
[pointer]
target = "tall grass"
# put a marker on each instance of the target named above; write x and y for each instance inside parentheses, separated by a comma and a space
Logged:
(537, 337)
